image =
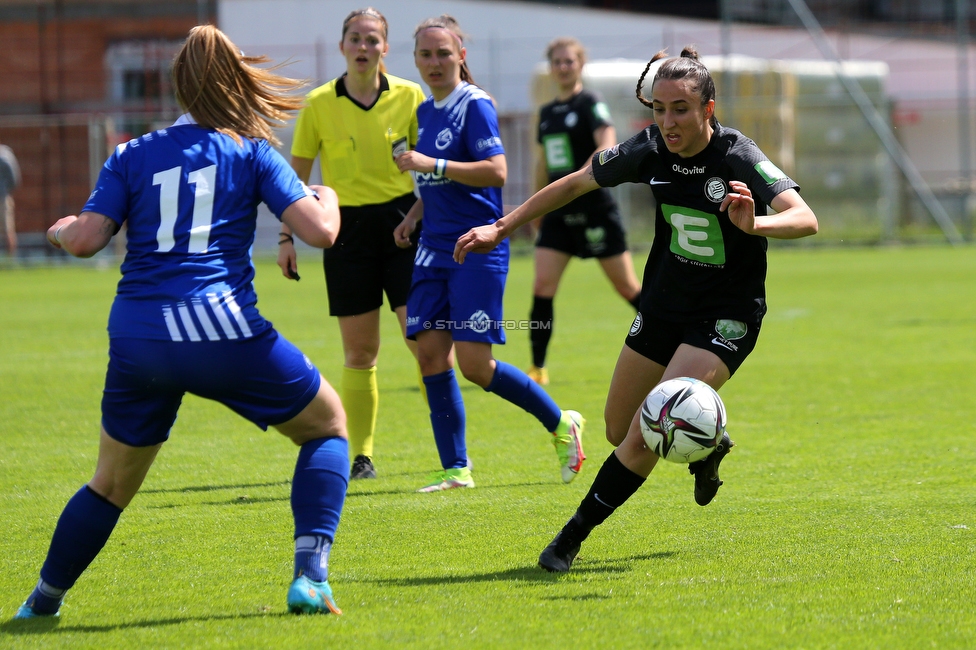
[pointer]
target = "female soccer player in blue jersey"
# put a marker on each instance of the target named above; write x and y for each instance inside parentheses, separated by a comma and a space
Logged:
(459, 165)
(703, 297)
(355, 125)
(185, 318)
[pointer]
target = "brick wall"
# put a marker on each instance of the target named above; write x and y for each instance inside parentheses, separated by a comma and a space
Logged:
(54, 82)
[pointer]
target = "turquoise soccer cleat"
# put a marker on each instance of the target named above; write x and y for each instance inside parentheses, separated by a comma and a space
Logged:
(309, 597)
(25, 611)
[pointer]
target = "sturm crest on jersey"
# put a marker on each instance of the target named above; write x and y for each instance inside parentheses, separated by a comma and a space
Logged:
(715, 189)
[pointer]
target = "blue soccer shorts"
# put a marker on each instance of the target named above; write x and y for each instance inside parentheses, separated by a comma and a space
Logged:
(265, 379)
(467, 301)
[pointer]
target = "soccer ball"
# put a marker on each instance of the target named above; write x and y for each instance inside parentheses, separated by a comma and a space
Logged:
(682, 420)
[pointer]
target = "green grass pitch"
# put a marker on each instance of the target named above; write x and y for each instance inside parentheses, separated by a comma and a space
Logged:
(846, 519)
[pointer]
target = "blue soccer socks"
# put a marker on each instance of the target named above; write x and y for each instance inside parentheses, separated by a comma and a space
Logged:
(85, 525)
(83, 528)
(312, 557)
(318, 489)
(515, 386)
(447, 418)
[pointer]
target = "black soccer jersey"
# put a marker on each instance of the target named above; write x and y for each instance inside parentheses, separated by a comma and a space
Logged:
(701, 266)
(566, 135)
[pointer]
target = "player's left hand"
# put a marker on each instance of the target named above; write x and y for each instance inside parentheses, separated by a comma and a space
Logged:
(741, 207)
(401, 234)
(477, 240)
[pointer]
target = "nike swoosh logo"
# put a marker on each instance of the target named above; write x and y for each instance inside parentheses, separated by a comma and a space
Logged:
(725, 345)
(656, 182)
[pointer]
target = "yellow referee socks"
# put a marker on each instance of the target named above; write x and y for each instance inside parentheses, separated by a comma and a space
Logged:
(360, 398)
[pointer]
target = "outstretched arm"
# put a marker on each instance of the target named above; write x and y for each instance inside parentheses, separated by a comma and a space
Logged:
(552, 196)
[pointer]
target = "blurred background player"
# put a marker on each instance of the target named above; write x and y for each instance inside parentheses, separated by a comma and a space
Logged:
(571, 128)
(185, 317)
(460, 168)
(704, 293)
(356, 124)
(9, 180)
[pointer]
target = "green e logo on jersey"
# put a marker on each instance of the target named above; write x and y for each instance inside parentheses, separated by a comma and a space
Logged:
(559, 153)
(694, 234)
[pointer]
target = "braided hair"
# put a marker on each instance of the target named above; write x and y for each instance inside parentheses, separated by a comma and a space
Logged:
(686, 66)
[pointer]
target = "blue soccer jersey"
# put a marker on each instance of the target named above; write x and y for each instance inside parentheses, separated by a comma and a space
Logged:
(189, 198)
(463, 127)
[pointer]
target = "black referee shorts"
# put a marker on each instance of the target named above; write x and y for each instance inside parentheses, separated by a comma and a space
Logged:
(365, 261)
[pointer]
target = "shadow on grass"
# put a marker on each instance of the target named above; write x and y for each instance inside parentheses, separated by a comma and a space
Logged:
(481, 487)
(615, 565)
(214, 488)
(51, 625)
(354, 492)
(526, 574)
(465, 386)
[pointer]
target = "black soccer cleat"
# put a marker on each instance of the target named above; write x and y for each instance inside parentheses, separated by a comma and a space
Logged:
(559, 555)
(362, 467)
(705, 471)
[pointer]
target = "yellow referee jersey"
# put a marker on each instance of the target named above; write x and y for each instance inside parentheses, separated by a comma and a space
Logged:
(356, 143)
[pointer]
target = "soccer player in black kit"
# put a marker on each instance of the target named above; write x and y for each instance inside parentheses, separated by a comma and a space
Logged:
(703, 297)
(571, 128)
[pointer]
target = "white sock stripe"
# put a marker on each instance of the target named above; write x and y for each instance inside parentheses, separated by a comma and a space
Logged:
(50, 590)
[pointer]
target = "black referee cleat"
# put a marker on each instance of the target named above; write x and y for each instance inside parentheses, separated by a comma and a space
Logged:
(705, 470)
(362, 467)
(559, 555)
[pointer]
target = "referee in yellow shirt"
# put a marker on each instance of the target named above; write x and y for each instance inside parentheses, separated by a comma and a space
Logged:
(356, 124)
